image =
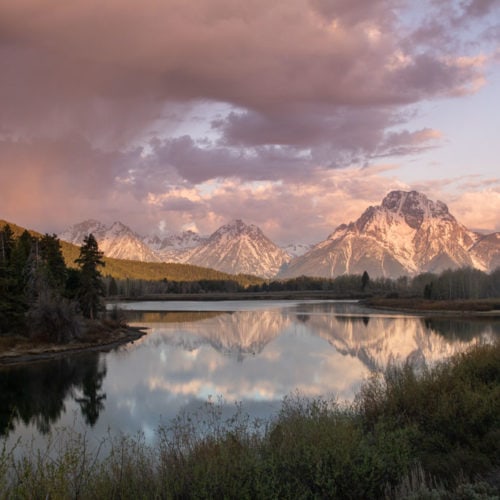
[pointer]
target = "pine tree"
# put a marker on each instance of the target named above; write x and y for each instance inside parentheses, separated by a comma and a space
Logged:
(365, 279)
(91, 288)
(51, 254)
(6, 244)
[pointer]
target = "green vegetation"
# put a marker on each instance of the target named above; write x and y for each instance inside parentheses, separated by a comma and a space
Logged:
(464, 283)
(132, 279)
(158, 271)
(430, 434)
(39, 296)
(90, 288)
(121, 269)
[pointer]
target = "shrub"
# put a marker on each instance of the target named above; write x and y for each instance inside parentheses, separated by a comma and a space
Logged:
(54, 319)
(427, 435)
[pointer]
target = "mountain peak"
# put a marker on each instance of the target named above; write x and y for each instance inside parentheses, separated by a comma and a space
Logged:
(117, 241)
(415, 207)
(407, 234)
(236, 224)
(238, 247)
(236, 228)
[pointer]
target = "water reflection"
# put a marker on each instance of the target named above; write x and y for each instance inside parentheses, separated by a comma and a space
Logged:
(254, 354)
(463, 329)
(36, 394)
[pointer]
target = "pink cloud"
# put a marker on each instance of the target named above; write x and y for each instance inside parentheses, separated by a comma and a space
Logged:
(92, 96)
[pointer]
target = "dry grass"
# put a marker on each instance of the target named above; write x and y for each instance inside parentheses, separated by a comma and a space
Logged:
(415, 304)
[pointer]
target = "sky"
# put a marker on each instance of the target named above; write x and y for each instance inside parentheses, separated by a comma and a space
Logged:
(294, 115)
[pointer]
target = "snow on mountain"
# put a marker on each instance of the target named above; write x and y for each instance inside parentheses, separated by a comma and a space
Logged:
(296, 249)
(77, 232)
(486, 252)
(175, 241)
(117, 241)
(175, 247)
(406, 234)
(240, 248)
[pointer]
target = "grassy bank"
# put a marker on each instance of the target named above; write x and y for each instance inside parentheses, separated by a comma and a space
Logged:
(431, 435)
(413, 304)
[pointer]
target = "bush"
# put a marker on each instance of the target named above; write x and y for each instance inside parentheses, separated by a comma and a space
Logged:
(54, 319)
(431, 435)
(452, 409)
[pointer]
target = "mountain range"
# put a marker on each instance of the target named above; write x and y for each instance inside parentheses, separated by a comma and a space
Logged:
(405, 235)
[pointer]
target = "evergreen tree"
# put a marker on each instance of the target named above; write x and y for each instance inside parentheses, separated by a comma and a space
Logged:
(6, 244)
(91, 288)
(14, 255)
(365, 279)
(55, 267)
(20, 258)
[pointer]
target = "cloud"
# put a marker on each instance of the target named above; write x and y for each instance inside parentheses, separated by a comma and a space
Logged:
(187, 109)
(469, 208)
(258, 58)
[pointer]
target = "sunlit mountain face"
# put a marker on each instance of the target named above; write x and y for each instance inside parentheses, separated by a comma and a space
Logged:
(234, 248)
(407, 234)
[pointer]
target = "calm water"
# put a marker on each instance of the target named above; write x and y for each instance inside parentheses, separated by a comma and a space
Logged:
(253, 352)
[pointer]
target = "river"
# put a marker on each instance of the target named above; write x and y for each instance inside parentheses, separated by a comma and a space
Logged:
(253, 353)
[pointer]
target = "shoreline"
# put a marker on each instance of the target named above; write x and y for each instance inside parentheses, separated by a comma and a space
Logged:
(48, 352)
(487, 308)
(26, 353)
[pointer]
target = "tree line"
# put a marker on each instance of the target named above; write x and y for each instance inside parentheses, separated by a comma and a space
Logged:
(464, 283)
(451, 284)
(40, 295)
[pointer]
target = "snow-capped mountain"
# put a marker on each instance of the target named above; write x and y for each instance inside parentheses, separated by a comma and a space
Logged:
(486, 252)
(406, 234)
(175, 241)
(77, 232)
(240, 248)
(175, 247)
(233, 248)
(117, 241)
(296, 249)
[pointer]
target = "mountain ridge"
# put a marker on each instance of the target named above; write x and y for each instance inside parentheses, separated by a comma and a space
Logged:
(407, 234)
(234, 248)
(129, 269)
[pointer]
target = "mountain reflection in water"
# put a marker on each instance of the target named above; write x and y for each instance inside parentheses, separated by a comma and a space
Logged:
(250, 354)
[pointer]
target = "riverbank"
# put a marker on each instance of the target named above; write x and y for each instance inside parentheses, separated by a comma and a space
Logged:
(472, 307)
(428, 435)
(102, 337)
(271, 295)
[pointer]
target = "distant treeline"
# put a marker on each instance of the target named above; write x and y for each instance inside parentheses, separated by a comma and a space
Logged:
(464, 283)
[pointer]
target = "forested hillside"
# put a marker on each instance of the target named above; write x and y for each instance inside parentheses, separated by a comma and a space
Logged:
(122, 269)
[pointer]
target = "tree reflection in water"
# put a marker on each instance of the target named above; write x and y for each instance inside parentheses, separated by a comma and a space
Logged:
(460, 328)
(35, 393)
